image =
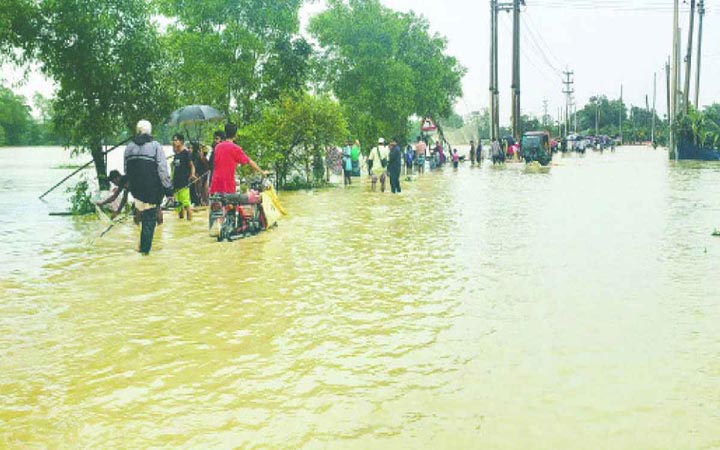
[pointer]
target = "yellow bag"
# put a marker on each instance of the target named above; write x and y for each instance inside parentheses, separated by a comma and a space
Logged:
(275, 200)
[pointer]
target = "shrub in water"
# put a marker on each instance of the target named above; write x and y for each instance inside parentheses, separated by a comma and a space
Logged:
(80, 199)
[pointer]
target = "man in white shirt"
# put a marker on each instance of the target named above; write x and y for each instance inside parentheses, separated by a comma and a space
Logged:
(379, 157)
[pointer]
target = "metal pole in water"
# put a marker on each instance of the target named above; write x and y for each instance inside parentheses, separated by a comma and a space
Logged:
(701, 13)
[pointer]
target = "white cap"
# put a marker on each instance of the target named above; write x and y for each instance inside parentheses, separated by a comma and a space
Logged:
(143, 127)
(381, 141)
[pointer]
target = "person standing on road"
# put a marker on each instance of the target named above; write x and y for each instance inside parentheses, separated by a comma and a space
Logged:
(347, 163)
(420, 154)
(147, 172)
(472, 152)
(479, 152)
(378, 161)
(394, 166)
(355, 157)
(227, 156)
(182, 174)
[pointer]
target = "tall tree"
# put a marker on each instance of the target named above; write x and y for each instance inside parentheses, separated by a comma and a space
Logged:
(107, 62)
(236, 55)
(384, 66)
(293, 133)
(15, 120)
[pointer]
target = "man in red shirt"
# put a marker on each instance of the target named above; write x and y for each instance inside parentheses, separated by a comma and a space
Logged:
(226, 157)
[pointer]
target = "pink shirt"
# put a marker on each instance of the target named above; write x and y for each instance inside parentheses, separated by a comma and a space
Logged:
(226, 157)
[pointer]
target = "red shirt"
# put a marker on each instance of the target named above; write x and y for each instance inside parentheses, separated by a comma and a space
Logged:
(226, 157)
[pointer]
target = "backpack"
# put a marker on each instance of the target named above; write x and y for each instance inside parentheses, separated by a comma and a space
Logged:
(383, 161)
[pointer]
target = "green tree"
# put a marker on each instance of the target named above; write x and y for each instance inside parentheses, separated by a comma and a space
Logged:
(530, 123)
(18, 21)
(384, 67)
(454, 120)
(293, 134)
(15, 119)
(107, 62)
(235, 55)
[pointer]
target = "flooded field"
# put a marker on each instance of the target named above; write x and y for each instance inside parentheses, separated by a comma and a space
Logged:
(483, 308)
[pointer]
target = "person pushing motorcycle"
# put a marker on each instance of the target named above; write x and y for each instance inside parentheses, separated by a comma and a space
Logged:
(226, 157)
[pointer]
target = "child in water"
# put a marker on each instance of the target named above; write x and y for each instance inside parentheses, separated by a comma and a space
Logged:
(455, 159)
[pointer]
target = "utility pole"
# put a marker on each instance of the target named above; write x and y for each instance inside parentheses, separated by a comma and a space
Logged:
(667, 86)
(701, 13)
(545, 113)
(515, 87)
(652, 132)
(688, 57)
(559, 121)
(621, 110)
(494, 93)
(568, 91)
(674, 79)
(575, 116)
(597, 116)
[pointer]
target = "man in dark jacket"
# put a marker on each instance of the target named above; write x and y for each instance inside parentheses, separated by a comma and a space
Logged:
(147, 172)
(394, 166)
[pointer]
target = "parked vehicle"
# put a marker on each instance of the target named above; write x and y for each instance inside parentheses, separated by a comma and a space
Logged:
(239, 215)
(536, 147)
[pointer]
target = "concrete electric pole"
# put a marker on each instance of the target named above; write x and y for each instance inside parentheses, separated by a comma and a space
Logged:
(568, 91)
(494, 93)
(621, 111)
(652, 132)
(701, 13)
(688, 57)
(674, 78)
(515, 87)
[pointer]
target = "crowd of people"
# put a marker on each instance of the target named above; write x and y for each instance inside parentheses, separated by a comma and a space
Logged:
(385, 161)
(196, 173)
(193, 178)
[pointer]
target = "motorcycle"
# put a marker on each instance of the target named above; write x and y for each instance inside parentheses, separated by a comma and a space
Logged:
(239, 215)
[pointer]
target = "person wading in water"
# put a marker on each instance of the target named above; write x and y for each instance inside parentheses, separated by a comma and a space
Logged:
(147, 173)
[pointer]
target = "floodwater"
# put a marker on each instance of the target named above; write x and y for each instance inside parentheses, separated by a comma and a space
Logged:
(483, 308)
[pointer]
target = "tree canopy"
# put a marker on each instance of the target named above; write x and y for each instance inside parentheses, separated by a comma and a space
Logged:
(235, 55)
(384, 66)
(117, 62)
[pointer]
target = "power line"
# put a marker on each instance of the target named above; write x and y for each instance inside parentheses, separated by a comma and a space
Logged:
(534, 28)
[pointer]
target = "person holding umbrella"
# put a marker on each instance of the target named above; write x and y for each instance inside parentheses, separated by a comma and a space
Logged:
(147, 172)
(226, 157)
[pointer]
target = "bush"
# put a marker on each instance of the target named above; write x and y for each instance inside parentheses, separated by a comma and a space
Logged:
(80, 199)
(298, 183)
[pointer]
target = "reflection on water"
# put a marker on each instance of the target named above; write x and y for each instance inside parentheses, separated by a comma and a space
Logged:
(481, 308)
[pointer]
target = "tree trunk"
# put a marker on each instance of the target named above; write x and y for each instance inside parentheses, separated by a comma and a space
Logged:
(100, 168)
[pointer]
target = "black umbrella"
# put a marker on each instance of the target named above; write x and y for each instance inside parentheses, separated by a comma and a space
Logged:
(194, 114)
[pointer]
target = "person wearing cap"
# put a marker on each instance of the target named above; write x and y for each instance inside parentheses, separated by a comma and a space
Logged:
(379, 157)
(149, 180)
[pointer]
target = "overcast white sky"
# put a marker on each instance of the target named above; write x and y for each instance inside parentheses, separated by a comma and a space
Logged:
(605, 42)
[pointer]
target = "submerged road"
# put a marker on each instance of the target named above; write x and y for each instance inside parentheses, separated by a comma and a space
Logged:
(483, 308)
